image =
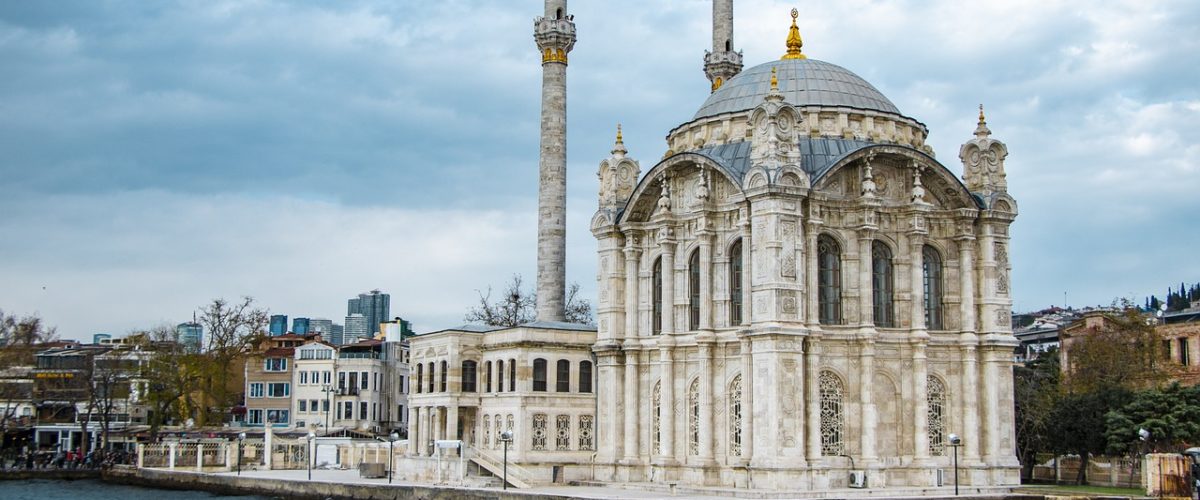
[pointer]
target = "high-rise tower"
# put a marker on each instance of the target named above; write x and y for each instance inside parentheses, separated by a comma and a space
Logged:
(723, 62)
(555, 36)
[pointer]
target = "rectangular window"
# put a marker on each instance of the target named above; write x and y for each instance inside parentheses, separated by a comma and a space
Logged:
(278, 416)
(1183, 353)
(256, 390)
(362, 410)
(341, 380)
(365, 380)
(327, 377)
(303, 378)
(279, 390)
(562, 377)
(303, 406)
(539, 375)
(312, 405)
(349, 410)
(374, 410)
(325, 405)
(275, 365)
(254, 417)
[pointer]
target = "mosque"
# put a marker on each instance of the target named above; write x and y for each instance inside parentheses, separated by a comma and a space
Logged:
(798, 296)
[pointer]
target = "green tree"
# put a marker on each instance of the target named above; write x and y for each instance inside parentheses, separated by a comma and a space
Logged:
(1036, 392)
(1171, 414)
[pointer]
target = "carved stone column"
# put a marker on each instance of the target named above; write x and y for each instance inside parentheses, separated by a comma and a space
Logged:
(631, 407)
(866, 384)
(632, 257)
(668, 416)
(812, 315)
(668, 285)
(747, 269)
(706, 407)
(812, 396)
(414, 430)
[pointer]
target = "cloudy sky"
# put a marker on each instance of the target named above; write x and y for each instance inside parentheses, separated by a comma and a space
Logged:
(156, 155)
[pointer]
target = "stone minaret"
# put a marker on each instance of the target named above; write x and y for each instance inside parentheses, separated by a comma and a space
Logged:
(722, 63)
(555, 36)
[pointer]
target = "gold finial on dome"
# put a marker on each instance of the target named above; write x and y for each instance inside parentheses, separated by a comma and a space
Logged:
(794, 43)
(619, 141)
(774, 80)
(981, 119)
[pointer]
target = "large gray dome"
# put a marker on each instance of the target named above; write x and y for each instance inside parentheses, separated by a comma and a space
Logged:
(803, 82)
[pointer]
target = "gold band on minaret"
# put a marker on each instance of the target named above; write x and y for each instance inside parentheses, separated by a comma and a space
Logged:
(794, 43)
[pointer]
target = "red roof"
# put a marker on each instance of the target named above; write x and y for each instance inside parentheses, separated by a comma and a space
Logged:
(279, 352)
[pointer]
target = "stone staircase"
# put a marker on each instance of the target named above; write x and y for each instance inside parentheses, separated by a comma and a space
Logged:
(517, 476)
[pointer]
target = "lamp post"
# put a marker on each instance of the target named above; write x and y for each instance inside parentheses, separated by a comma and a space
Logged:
(241, 439)
(506, 437)
(955, 442)
(308, 454)
(392, 438)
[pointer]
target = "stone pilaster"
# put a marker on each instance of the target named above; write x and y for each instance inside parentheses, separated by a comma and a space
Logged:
(667, 425)
(631, 430)
(632, 255)
(706, 312)
(812, 396)
(747, 401)
(668, 285)
(866, 396)
(706, 406)
(555, 36)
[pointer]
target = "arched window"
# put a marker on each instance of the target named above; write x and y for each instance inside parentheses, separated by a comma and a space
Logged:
(936, 399)
(735, 283)
(562, 376)
(728, 45)
(694, 418)
(420, 377)
(656, 322)
(487, 376)
(558, 14)
(735, 416)
(932, 266)
(445, 369)
(539, 375)
(829, 281)
(431, 376)
(882, 279)
(512, 375)
(585, 376)
(833, 420)
(469, 376)
(694, 291)
(656, 413)
(500, 375)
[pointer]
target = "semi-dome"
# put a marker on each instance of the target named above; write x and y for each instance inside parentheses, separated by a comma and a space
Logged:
(803, 82)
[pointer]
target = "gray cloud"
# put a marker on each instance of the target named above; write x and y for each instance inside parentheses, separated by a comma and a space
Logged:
(159, 154)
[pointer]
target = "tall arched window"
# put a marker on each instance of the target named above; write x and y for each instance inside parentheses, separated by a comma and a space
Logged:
(431, 377)
(735, 283)
(694, 291)
(585, 376)
(562, 376)
(932, 265)
(445, 370)
(882, 279)
(656, 321)
(938, 413)
(735, 416)
(500, 375)
(833, 420)
(656, 413)
(512, 375)
(487, 376)
(539, 375)
(693, 402)
(420, 377)
(829, 281)
(469, 375)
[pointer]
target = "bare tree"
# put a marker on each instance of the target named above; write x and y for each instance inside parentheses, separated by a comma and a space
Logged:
(517, 306)
(20, 339)
(231, 328)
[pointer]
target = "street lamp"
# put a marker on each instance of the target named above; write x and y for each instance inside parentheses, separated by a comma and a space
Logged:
(506, 437)
(241, 438)
(955, 442)
(392, 438)
(308, 456)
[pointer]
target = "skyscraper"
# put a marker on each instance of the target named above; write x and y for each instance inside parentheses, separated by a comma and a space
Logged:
(356, 329)
(278, 324)
(322, 326)
(300, 326)
(101, 337)
(374, 306)
(338, 334)
(191, 335)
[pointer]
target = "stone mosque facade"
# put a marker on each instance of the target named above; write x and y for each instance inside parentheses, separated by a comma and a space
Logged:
(797, 295)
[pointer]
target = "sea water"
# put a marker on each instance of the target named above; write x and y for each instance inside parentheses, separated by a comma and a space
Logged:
(40, 489)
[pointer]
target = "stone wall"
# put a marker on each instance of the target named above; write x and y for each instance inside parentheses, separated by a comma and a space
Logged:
(303, 490)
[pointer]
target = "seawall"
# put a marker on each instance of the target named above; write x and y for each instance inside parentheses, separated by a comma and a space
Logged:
(49, 474)
(304, 490)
